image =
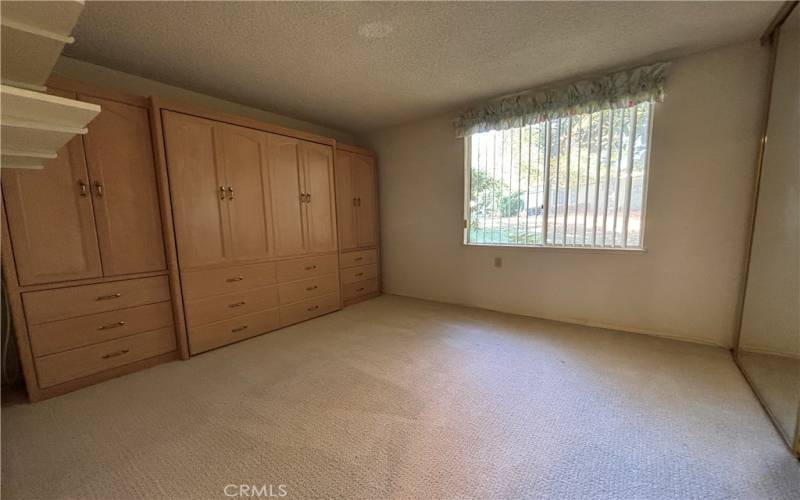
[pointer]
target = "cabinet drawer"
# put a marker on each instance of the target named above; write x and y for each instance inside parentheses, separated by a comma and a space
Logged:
(306, 267)
(308, 309)
(222, 307)
(358, 258)
(62, 303)
(199, 284)
(306, 289)
(56, 336)
(359, 288)
(361, 273)
(217, 334)
(64, 366)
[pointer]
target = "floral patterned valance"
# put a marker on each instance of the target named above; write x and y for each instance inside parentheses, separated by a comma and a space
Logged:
(617, 90)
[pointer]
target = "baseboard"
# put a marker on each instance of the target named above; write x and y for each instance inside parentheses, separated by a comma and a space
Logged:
(758, 350)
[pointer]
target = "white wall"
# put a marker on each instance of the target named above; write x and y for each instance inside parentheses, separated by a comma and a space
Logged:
(771, 321)
(132, 84)
(685, 285)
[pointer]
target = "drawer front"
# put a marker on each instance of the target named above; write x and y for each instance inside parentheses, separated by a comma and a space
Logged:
(361, 273)
(359, 288)
(63, 303)
(231, 305)
(309, 288)
(56, 336)
(65, 366)
(200, 284)
(358, 258)
(217, 334)
(308, 309)
(306, 267)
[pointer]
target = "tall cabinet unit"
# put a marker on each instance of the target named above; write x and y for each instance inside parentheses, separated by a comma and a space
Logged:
(255, 224)
(357, 207)
(83, 254)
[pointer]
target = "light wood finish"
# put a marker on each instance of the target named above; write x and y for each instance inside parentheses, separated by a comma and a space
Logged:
(365, 182)
(358, 258)
(320, 206)
(361, 273)
(345, 202)
(221, 333)
(199, 204)
(308, 288)
(359, 288)
(55, 336)
(120, 160)
(306, 267)
(63, 303)
(205, 283)
(230, 305)
(242, 154)
(50, 219)
(361, 298)
(287, 205)
(308, 309)
(68, 365)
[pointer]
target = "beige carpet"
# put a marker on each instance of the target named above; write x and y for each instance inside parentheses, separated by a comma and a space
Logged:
(399, 398)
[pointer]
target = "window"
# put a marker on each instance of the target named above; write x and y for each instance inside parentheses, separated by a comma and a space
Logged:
(577, 181)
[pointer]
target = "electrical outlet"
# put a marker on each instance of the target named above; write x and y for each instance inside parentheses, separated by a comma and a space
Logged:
(498, 262)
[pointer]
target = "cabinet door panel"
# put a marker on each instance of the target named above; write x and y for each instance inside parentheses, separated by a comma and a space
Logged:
(320, 209)
(119, 155)
(367, 210)
(200, 212)
(51, 223)
(345, 201)
(242, 151)
(284, 180)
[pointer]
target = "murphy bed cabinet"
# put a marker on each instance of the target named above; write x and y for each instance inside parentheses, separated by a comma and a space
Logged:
(83, 253)
(357, 208)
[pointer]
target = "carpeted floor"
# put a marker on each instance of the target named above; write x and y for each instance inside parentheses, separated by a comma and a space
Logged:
(404, 398)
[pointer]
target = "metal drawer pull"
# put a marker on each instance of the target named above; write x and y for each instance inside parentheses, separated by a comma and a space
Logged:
(230, 192)
(222, 192)
(308, 197)
(239, 329)
(108, 297)
(309, 268)
(84, 192)
(116, 353)
(358, 258)
(359, 274)
(360, 289)
(99, 188)
(112, 325)
(238, 278)
(312, 308)
(309, 288)
(355, 202)
(237, 304)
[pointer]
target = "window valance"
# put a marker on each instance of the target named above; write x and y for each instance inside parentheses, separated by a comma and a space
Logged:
(612, 91)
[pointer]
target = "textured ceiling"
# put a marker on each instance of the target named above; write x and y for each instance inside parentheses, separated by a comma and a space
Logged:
(366, 66)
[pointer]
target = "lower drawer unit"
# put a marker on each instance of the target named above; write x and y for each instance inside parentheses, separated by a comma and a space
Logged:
(306, 267)
(205, 337)
(308, 309)
(359, 288)
(205, 283)
(68, 365)
(222, 307)
(358, 258)
(308, 288)
(361, 273)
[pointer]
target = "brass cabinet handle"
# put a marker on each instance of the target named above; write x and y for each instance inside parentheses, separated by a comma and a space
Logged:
(222, 192)
(84, 191)
(308, 197)
(116, 353)
(312, 308)
(239, 329)
(360, 289)
(309, 268)
(108, 297)
(305, 197)
(238, 278)
(359, 274)
(355, 202)
(358, 258)
(230, 192)
(237, 304)
(309, 288)
(112, 325)
(98, 186)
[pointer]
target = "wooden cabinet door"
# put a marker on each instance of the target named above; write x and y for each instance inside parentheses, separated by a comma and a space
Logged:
(119, 155)
(345, 201)
(285, 188)
(50, 218)
(242, 152)
(199, 207)
(365, 187)
(320, 208)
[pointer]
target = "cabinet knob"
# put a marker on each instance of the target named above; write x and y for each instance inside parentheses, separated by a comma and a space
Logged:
(230, 192)
(312, 308)
(109, 297)
(98, 186)
(83, 187)
(309, 268)
(309, 288)
(112, 325)
(237, 304)
(239, 329)
(222, 192)
(237, 278)
(116, 353)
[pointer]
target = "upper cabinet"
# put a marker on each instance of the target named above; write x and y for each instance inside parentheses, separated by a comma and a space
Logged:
(357, 200)
(96, 211)
(320, 198)
(287, 195)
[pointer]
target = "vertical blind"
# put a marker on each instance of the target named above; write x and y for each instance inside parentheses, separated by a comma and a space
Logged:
(576, 181)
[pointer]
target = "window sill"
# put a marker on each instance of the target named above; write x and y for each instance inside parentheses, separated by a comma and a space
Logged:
(557, 247)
